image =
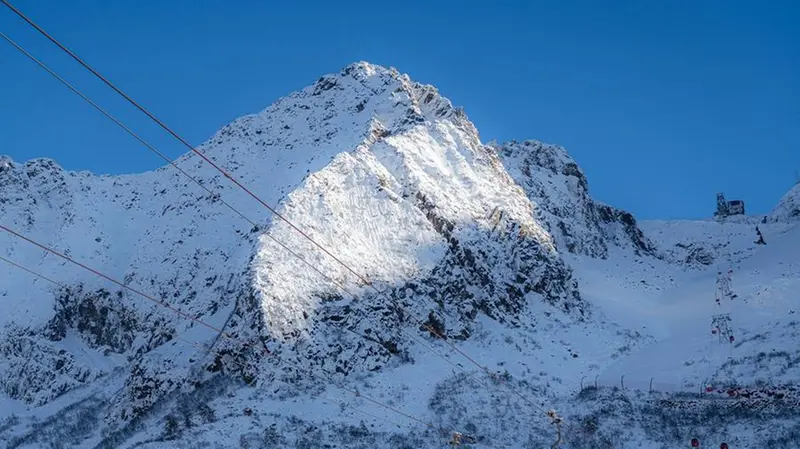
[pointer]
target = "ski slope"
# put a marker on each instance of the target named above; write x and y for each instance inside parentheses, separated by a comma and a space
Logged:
(686, 355)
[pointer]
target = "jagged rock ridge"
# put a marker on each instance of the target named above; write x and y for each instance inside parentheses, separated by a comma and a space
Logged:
(559, 190)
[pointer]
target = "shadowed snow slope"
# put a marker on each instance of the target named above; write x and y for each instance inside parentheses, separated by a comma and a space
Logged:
(497, 247)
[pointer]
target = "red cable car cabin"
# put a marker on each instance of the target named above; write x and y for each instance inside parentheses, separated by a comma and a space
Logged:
(695, 442)
(723, 446)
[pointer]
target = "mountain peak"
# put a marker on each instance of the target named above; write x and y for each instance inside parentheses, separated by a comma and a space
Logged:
(340, 112)
(367, 69)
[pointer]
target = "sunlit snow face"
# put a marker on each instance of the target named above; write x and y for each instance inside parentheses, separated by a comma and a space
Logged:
(386, 213)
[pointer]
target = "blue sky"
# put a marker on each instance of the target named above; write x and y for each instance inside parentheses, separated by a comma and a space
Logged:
(663, 103)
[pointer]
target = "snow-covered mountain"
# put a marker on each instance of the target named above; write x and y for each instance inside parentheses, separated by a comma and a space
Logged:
(498, 247)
